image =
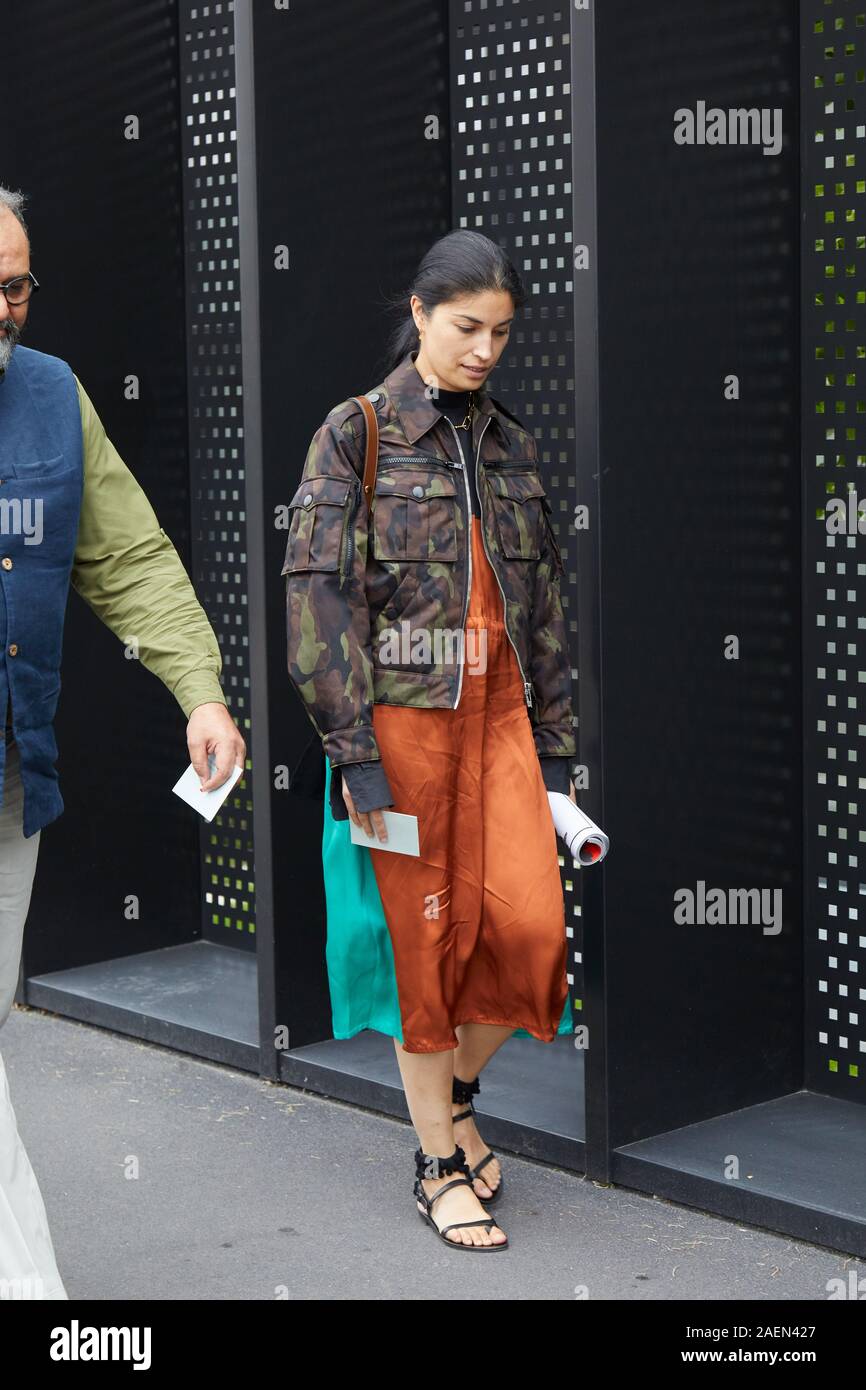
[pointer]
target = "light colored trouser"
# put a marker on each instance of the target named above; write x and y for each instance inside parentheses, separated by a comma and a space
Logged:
(28, 1268)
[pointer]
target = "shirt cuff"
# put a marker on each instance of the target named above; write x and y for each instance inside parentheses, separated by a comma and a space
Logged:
(198, 688)
(554, 770)
(368, 785)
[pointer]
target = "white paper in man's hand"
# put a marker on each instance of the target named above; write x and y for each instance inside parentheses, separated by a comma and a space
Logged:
(188, 788)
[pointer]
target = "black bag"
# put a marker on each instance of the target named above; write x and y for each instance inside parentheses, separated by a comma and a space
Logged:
(307, 777)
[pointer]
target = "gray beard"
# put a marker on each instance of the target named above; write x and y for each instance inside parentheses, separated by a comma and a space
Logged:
(7, 343)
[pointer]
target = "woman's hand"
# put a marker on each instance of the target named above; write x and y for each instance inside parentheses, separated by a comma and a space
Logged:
(363, 819)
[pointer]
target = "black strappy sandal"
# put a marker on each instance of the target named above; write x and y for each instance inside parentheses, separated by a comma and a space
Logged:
(461, 1092)
(434, 1166)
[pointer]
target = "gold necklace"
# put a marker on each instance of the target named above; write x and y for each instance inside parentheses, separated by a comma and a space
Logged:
(467, 418)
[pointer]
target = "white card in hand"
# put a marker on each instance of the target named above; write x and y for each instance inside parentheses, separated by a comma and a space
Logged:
(188, 788)
(402, 834)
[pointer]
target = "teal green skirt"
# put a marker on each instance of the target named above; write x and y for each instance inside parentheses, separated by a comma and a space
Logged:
(358, 950)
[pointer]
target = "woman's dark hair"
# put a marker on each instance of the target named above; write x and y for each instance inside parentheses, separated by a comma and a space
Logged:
(458, 264)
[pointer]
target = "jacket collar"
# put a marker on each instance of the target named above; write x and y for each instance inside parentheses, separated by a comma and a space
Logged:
(417, 412)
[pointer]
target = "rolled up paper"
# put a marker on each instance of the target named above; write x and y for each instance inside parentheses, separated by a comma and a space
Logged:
(582, 837)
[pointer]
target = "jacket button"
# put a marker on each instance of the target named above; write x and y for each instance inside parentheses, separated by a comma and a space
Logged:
(308, 497)
(7, 563)
(13, 650)
(374, 397)
(418, 491)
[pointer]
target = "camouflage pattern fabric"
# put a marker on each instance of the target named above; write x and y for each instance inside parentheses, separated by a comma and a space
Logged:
(375, 603)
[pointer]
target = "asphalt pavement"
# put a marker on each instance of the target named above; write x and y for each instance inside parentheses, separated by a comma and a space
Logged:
(166, 1177)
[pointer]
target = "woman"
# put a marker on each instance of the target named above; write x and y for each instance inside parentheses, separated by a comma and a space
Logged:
(427, 640)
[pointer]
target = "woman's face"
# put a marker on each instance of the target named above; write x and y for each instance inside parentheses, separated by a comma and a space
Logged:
(462, 335)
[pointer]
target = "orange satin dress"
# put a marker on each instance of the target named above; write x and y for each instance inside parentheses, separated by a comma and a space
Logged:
(477, 921)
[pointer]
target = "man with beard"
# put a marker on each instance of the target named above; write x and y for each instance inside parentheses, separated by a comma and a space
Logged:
(72, 512)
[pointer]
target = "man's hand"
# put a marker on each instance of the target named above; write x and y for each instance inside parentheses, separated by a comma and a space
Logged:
(363, 818)
(211, 729)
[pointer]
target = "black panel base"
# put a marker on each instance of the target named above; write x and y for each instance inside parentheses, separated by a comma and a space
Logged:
(532, 1094)
(200, 998)
(800, 1162)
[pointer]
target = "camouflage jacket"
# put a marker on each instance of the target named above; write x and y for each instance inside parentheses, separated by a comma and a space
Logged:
(402, 573)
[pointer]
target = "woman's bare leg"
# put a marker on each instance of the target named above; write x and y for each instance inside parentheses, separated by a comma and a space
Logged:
(427, 1078)
(478, 1043)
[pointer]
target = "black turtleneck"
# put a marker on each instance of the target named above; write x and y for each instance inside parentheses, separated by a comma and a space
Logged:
(455, 407)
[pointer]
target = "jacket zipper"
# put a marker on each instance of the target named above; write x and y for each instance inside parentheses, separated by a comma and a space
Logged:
(462, 466)
(348, 546)
(527, 685)
(416, 458)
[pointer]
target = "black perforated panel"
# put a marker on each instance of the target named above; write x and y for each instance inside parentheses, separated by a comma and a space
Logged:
(834, 578)
(511, 180)
(216, 426)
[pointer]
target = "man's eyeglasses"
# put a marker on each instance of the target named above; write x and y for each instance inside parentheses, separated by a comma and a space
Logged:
(20, 289)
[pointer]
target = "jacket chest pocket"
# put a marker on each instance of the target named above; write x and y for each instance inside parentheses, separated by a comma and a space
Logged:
(318, 526)
(415, 520)
(517, 508)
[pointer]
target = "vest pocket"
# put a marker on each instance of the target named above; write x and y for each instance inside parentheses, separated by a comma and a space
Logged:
(318, 527)
(38, 470)
(517, 508)
(414, 519)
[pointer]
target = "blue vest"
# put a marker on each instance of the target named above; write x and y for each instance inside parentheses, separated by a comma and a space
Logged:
(41, 483)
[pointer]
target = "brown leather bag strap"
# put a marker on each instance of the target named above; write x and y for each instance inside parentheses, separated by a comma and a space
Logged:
(371, 453)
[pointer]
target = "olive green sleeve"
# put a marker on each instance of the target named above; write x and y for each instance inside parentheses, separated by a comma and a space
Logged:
(128, 571)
